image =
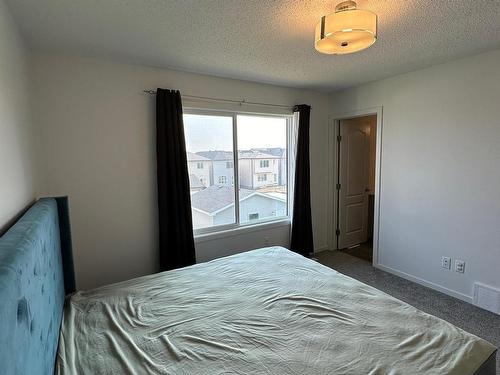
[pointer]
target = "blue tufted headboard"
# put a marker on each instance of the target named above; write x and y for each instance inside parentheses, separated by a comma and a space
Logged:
(33, 286)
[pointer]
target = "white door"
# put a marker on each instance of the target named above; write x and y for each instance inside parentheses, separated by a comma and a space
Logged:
(353, 182)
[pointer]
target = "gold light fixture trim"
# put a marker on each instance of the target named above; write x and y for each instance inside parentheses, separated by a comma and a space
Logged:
(347, 30)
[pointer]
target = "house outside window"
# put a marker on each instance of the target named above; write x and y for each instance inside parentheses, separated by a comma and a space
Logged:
(198, 177)
(229, 191)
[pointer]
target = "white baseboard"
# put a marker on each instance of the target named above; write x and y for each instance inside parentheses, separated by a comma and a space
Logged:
(418, 280)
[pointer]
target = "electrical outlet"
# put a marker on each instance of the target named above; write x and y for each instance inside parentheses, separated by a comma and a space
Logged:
(446, 262)
(459, 266)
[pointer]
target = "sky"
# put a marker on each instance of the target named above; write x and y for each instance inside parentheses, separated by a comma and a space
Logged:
(205, 133)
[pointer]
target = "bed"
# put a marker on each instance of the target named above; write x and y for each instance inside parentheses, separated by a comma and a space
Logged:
(267, 311)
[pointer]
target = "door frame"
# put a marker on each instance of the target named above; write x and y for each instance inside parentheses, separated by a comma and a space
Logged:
(333, 149)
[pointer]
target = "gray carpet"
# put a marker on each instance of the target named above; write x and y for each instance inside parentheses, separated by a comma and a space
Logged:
(470, 318)
(363, 251)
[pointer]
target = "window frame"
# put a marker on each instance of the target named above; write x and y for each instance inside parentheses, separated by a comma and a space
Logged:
(237, 225)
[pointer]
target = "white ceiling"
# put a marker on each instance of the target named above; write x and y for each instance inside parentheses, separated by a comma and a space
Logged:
(265, 41)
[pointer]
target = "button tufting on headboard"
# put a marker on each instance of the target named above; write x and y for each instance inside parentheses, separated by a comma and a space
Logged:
(32, 326)
(23, 311)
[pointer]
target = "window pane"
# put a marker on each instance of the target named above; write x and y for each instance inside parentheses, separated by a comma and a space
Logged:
(209, 144)
(262, 167)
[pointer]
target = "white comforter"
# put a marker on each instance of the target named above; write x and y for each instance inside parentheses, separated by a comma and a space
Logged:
(267, 311)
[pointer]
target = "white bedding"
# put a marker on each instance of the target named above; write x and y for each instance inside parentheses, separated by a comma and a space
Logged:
(267, 311)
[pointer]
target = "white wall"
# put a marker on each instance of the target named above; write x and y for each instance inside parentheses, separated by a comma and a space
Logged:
(99, 148)
(17, 154)
(440, 186)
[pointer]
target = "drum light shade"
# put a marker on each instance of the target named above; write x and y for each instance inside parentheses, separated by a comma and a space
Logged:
(347, 30)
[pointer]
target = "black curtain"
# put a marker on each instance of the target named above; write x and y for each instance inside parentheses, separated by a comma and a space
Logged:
(302, 235)
(174, 201)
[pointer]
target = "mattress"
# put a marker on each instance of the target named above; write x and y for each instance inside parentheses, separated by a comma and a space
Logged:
(267, 311)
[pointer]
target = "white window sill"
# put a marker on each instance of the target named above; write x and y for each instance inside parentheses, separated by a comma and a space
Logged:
(242, 230)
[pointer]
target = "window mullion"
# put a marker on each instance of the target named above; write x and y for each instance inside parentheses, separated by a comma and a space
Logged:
(236, 183)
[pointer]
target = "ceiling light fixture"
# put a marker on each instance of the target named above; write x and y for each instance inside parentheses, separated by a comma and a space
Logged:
(347, 30)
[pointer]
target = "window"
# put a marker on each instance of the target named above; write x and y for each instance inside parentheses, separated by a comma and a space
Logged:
(211, 136)
(199, 165)
(266, 197)
(218, 205)
(254, 216)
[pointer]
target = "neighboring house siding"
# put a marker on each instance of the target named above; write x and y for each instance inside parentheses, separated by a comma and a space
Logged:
(269, 172)
(250, 170)
(252, 164)
(225, 217)
(201, 220)
(245, 173)
(202, 173)
(264, 206)
(221, 174)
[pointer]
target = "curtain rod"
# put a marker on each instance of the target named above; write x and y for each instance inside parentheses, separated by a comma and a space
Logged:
(239, 102)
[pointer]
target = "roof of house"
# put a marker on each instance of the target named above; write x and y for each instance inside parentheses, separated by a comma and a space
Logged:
(216, 155)
(254, 154)
(276, 151)
(214, 198)
(195, 157)
(275, 195)
(195, 182)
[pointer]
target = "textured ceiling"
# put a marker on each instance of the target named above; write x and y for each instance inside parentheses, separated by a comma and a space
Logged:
(265, 41)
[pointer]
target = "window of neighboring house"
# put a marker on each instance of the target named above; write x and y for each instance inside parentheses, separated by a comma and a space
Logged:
(223, 206)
